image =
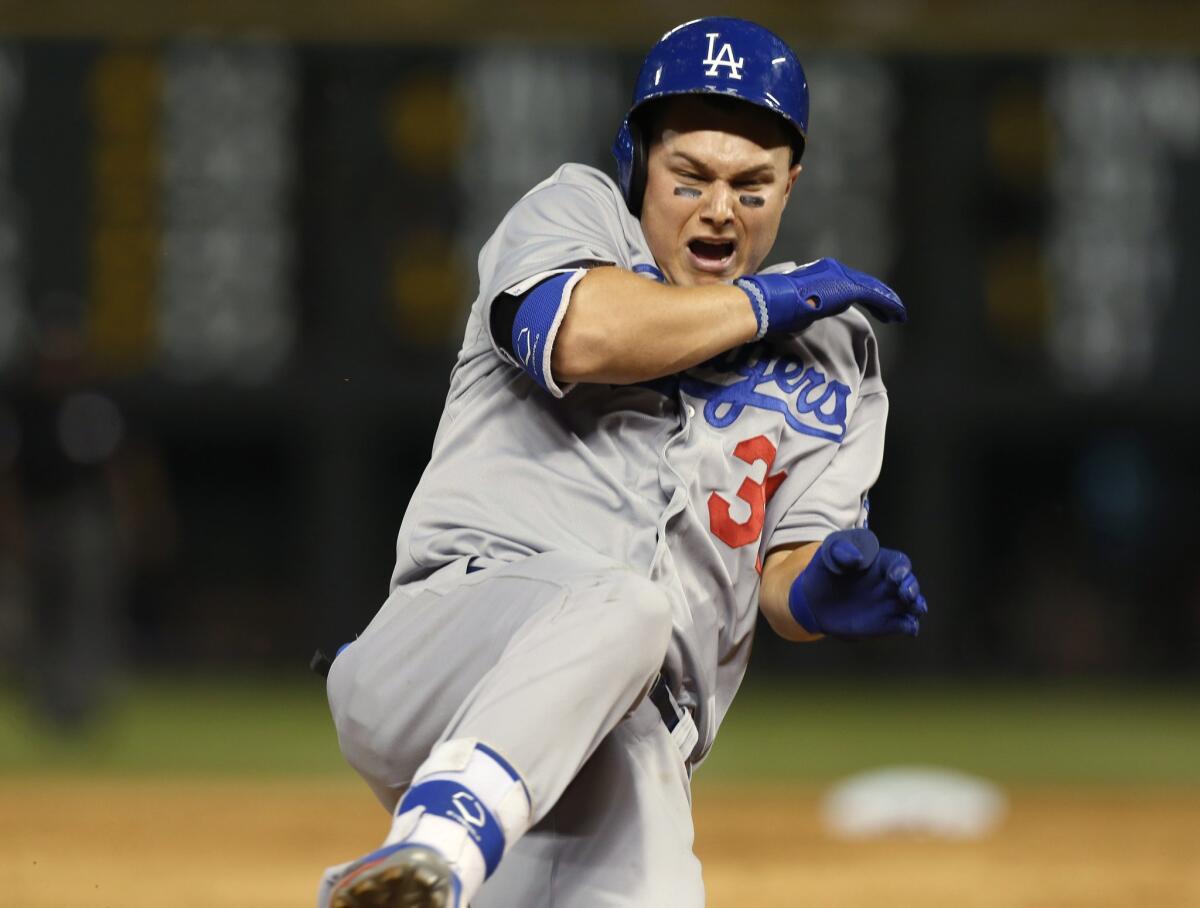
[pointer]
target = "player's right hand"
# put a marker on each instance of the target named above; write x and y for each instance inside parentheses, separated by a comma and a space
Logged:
(853, 588)
(790, 302)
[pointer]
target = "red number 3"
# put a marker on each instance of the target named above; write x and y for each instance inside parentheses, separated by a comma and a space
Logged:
(756, 494)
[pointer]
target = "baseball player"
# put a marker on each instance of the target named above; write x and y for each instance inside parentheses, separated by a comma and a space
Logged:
(648, 437)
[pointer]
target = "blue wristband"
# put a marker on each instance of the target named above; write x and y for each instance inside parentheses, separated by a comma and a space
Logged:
(758, 303)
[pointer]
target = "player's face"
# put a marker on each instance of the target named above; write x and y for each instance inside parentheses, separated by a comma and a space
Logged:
(717, 181)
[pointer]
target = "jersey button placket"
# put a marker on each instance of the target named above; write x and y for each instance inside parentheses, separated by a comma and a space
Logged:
(673, 485)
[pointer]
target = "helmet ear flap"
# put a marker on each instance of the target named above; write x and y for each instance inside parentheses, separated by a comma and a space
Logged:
(637, 170)
(629, 148)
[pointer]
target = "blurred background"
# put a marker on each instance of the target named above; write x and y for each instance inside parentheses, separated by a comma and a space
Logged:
(237, 247)
(235, 266)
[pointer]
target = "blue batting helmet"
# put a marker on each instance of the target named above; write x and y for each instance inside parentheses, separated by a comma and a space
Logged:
(721, 56)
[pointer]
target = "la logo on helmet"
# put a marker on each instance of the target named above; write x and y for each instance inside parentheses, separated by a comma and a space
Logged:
(723, 58)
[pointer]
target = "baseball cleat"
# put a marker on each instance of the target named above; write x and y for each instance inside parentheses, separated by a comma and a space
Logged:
(397, 876)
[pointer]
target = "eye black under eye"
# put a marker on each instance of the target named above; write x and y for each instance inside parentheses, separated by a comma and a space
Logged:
(752, 201)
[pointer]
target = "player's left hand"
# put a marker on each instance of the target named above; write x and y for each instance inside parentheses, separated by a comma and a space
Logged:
(853, 588)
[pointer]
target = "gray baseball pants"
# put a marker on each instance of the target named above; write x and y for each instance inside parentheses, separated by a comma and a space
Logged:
(547, 660)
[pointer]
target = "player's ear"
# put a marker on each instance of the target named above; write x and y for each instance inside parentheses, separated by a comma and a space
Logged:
(793, 172)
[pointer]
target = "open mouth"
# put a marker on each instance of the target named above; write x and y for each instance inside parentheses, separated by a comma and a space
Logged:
(711, 255)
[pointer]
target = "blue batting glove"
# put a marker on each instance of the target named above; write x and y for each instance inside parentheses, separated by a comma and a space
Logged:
(852, 588)
(781, 301)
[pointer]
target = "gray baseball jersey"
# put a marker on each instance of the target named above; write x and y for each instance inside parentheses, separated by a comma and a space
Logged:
(689, 481)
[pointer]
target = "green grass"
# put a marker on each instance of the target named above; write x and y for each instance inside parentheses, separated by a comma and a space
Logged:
(1029, 733)
(165, 726)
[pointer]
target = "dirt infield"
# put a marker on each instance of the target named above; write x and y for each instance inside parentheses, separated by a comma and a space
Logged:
(260, 843)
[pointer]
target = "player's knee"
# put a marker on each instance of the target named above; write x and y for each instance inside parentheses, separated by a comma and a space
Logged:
(641, 613)
(370, 738)
(377, 750)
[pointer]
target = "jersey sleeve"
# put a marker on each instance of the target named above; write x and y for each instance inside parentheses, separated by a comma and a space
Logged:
(837, 499)
(548, 240)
